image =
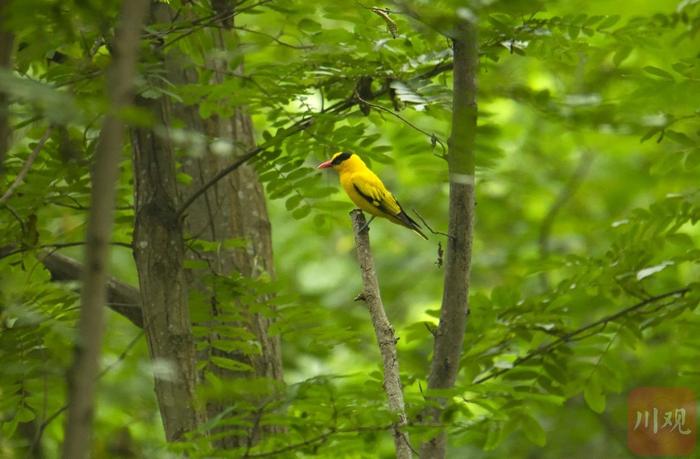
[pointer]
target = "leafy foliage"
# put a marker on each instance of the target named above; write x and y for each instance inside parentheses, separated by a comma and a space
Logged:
(584, 278)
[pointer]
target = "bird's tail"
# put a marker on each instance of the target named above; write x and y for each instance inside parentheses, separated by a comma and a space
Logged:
(403, 219)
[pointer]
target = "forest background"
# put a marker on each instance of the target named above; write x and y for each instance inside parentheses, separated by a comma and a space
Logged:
(239, 297)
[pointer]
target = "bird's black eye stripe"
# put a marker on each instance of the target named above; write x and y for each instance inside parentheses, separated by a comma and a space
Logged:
(341, 157)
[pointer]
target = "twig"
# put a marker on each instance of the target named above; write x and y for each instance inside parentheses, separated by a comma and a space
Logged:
(565, 194)
(386, 339)
(122, 356)
(27, 165)
(106, 370)
(273, 38)
(208, 21)
(295, 128)
(571, 336)
(432, 136)
(7, 251)
(420, 217)
(318, 439)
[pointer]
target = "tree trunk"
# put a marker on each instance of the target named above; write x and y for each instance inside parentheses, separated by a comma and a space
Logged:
(83, 373)
(449, 337)
(234, 208)
(159, 252)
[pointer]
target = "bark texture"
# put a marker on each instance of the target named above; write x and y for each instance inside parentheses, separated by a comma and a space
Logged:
(159, 252)
(449, 337)
(234, 208)
(386, 339)
(83, 373)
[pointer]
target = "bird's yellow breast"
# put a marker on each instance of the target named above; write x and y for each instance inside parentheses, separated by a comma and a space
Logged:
(347, 182)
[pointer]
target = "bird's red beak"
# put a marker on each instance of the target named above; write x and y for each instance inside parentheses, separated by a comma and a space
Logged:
(325, 164)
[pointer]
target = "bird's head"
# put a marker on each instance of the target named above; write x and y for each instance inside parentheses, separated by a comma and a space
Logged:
(339, 160)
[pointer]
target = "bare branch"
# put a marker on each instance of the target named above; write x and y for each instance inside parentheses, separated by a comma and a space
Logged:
(121, 298)
(61, 410)
(318, 439)
(273, 38)
(27, 165)
(431, 135)
(386, 339)
(576, 334)
(565, 194)
(9, 250)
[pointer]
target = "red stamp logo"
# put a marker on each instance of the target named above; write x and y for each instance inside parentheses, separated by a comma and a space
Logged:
(661, 421)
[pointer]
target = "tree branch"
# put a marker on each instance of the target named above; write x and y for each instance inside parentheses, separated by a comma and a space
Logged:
(295, 128)
(9, 250)
(449, 337)
(317, 439)
(27, 165)
(574, 335)
(83, 372)
(58, 412)
(386, 339)
(565, 194)
(431, 135)
(121, 298)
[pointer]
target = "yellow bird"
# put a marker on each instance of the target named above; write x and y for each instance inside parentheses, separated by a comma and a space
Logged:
(367, 191)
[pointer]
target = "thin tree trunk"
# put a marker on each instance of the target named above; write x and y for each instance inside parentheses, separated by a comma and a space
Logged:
(83, 373)
(449, 337)
(386, 339)
(6, 45)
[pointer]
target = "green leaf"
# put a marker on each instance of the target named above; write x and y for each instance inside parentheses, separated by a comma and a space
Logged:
(680, 138)
(230, 364)
(608, 22)
(301, 212)
(494, 435)
(650, 133)
(24, 414)
(661, 73)
(293, 201)
(533, 430)
(183, 178)
(621, 54)
(594, 396)
(309, 26)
